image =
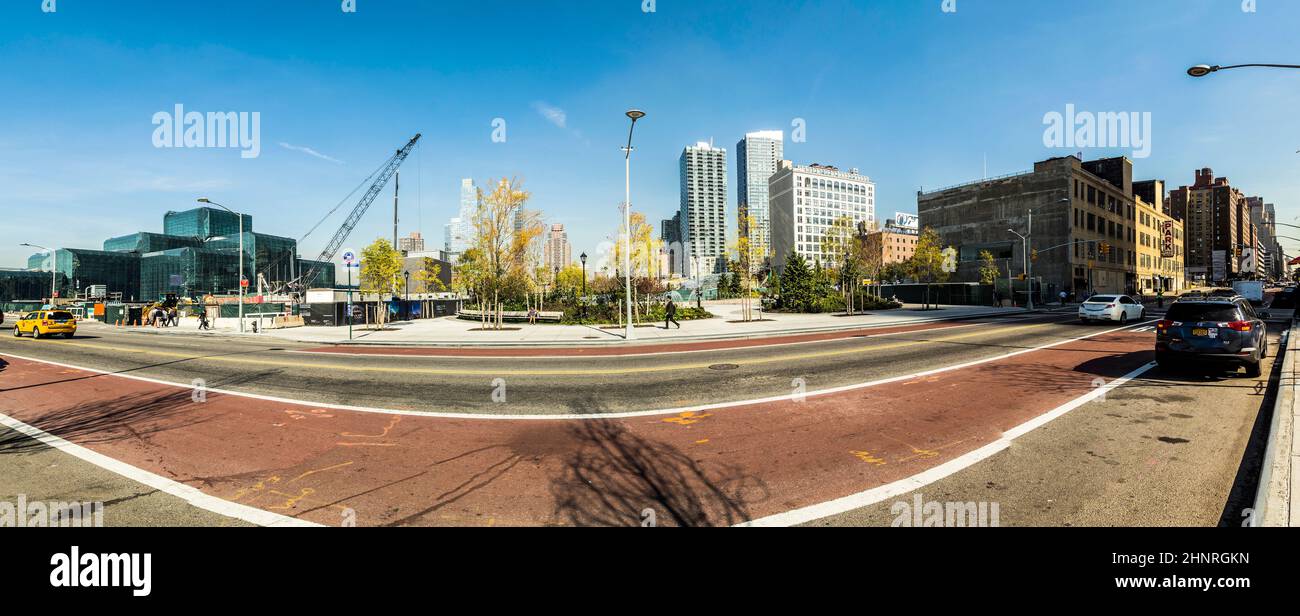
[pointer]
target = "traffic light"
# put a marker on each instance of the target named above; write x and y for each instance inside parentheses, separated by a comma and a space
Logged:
(1105, 249)
(1033, 256)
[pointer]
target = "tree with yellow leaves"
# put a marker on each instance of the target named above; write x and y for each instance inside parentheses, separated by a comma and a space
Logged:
(380, 266)
(644, 255)
(752, 252)
(504, 253)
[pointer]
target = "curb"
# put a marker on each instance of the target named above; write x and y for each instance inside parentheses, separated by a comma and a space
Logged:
(1272, 505)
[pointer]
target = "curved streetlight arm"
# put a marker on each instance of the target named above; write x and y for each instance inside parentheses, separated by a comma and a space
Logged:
(1201, 70)
(1222, 68)
(627, 151)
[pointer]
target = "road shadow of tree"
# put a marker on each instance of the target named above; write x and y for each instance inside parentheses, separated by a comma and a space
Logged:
(135, 416)
(614, 477)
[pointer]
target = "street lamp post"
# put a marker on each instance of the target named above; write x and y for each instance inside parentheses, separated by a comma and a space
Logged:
(407, 299)
(634, 115)
(54, 271)
(583, 302)
(699, 288)
(241, 256)
(1024, 254)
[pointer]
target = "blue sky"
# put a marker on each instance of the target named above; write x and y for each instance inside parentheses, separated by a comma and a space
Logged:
(911, 95)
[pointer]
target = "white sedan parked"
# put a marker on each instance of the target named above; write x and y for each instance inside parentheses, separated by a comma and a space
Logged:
(1120, 308)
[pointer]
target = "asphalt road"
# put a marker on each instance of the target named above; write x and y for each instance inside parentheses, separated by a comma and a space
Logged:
(1162, 449)
(1169, 448)
(543, 385)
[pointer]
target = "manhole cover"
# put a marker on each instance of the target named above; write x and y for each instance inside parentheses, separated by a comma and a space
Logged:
(723, 367)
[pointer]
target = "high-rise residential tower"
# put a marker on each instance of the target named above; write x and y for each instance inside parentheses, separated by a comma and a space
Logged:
(556, 252)
(459, 231)
(703, 206)
(757, 157)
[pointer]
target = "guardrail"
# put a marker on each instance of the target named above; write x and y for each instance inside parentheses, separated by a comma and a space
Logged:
(1273, 495)
(974, 182)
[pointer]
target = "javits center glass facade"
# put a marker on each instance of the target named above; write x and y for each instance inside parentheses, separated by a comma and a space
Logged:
(144, 242)
(25, 285)
(188, 272)
(324, 279)
(204, 223)
(197, 253)
(81, 267)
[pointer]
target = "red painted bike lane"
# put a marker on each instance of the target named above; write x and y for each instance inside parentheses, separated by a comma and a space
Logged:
(720, 466)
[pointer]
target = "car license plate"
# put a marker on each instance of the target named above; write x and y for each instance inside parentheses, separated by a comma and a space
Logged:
(1201, 331)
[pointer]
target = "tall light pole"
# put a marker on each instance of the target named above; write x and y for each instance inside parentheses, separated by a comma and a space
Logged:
(241, 256)
(54, 271)
(1024, 240)
(634, 115)
(583, 257)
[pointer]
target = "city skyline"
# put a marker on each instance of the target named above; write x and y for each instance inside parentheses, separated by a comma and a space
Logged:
(564, 117)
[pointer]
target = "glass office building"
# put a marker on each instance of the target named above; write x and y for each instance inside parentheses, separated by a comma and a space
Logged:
(25, 285)
(324, 278)
(204, 223)
(144, 242)
(39, 261)
(198, 253)
(81, 267)
(188, 272)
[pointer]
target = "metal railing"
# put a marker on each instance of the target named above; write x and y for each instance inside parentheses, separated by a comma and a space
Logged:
(980, 181)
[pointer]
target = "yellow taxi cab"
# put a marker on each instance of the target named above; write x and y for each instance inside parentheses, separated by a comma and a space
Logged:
(46, 323)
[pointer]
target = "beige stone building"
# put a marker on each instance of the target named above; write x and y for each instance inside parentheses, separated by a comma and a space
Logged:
(1158, 234)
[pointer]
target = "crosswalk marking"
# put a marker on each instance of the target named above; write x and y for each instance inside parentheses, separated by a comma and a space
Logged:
(1147, 328)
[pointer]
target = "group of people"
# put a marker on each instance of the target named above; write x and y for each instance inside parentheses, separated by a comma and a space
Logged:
(159, 317)
(170, 317)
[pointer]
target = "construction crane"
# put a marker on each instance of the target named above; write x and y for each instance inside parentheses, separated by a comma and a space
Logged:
(340, 236)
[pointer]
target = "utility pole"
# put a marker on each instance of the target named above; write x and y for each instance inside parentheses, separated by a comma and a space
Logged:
(1024, 255)
(1029, 263)
(397, 181)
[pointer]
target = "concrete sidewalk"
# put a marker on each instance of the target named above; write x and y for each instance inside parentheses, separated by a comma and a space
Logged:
(450, 331)
(1279, 479)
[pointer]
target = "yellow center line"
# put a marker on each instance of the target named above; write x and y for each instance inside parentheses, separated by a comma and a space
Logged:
(249, 361)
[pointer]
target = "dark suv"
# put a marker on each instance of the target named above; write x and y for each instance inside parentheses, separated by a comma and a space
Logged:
(1223, 330)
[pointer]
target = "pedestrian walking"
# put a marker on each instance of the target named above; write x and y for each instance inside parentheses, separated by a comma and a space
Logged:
(1063, 296)
(203, 317)
(670, 314)
(174, 318)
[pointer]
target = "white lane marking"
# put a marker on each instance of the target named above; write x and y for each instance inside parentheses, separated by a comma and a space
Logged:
(189, 494)
(1147, 328)
(576, 416)
(740, 348)
(903, 486)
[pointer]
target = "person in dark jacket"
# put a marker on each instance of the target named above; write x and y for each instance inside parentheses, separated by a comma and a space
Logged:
(670, 314)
